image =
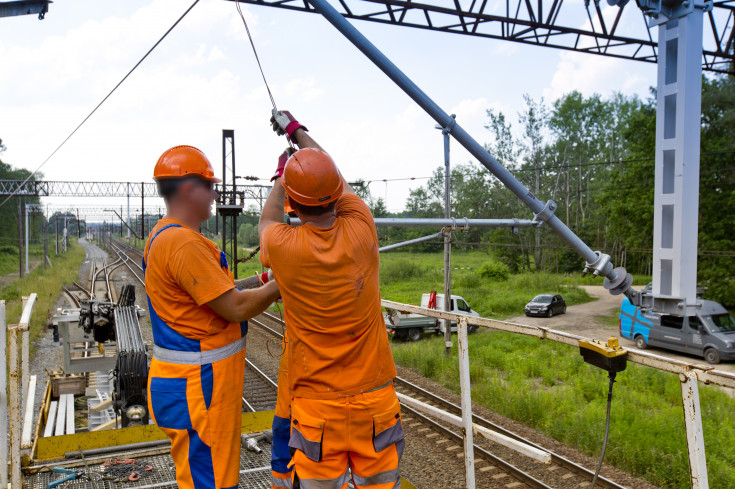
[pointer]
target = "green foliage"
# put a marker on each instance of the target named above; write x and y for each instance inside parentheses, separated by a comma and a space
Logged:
(495, 270)
(405, 276)
(248, 235)
(8, 250)
(47, 284)
(548, 386)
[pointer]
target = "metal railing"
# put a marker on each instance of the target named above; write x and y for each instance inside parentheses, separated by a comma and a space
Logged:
(18, 407)
(690, 374)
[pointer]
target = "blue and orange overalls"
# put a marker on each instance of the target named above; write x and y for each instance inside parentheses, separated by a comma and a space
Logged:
(197, 372)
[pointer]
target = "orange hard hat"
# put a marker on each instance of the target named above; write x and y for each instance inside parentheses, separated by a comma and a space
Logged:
(311, 178)
(184, 161)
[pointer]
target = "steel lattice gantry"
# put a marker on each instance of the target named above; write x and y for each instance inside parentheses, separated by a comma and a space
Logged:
(101, 189)
(551, 23)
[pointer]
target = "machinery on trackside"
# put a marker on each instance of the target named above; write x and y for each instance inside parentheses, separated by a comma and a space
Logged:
(115, 329)
(413, 326)
(708, 333)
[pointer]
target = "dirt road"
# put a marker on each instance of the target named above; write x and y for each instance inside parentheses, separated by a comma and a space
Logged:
(586, 320)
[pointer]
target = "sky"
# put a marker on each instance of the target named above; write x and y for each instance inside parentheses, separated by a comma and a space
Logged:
(203, 78)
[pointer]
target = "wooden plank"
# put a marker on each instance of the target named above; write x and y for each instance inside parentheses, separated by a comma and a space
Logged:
(50, 419)
(70, 414)
(25, 439)
(61, 416)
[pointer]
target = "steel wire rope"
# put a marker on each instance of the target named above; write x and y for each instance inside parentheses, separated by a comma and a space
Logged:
(101, 102)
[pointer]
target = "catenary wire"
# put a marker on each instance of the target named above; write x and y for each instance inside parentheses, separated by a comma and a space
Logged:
(255, 52)
(101, 102)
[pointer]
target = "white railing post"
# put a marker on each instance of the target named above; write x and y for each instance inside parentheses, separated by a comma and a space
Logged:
(15, 410)
(24, 351)
(466, 402)
(3, 399)
(693, 426)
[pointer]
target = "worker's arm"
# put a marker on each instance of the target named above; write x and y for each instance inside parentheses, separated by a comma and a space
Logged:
(237, 306)
(286, 124)
(273, 208)
(254, 281)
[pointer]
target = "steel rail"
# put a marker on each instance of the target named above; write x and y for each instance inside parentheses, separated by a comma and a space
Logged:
(72, 296)
(127, 260)
(508, 468)
(268, 328)
(81, 288)
(262, 376)
(555, 458)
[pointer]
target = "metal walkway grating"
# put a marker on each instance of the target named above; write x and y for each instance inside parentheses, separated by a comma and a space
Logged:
(163, 472)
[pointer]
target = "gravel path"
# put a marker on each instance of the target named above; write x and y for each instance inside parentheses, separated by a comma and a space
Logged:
(585, 320)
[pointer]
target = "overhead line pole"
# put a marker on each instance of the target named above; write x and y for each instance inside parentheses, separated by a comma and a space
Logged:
(617, 279)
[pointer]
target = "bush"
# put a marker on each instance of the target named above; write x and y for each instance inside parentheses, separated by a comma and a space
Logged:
(8, 250)
(495, 270)
(402, 271)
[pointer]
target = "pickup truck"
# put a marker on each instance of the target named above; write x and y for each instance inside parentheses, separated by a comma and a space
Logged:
(710, 333)
(413, 326)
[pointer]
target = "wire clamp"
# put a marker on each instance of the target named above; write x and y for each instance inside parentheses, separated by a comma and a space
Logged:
(452, 122)
(545, 213)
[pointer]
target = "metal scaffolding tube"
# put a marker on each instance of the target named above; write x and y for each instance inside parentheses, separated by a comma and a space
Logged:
(596, 261)
(451, 223)
(411, 242)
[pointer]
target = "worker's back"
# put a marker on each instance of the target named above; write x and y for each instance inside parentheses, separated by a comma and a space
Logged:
(328, 279)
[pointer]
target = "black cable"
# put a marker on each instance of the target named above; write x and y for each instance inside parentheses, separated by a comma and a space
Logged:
(611, 376)
(102, 102)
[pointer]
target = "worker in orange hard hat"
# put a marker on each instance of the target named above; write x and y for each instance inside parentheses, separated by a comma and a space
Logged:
(199, 319)
(346, 419)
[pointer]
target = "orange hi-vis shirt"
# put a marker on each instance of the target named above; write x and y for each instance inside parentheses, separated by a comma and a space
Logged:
(183, 273)
(338, 344)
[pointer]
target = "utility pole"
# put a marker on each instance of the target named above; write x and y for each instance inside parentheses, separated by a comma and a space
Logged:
(20, 237)
(56, 223)
(45, 243)
(447, 243)
(79, 226)
(128, 187)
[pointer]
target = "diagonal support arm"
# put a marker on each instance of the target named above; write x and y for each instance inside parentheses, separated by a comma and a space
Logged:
(617, 279)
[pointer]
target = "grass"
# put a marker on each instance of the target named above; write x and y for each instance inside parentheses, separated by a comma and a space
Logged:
(548, 387)
(405, 276)
(47, 284)
(9, 257)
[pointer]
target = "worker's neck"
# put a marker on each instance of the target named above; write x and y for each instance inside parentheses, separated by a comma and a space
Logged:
(321, 221)
(184, 216)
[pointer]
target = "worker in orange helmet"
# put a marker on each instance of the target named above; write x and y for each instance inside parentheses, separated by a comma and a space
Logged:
(345, 415)
(199, 319)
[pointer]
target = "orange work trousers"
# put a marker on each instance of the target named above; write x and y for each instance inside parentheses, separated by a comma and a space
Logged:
(199, 407)
(280, 457)
(357, 437)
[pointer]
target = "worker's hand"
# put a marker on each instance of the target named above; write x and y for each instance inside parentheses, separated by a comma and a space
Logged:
(281, 165)
(284, 123)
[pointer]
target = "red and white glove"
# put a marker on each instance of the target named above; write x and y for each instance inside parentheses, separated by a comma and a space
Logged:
(284, 123)
(282, 163)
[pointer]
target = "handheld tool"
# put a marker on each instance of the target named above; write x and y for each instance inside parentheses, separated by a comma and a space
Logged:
(69, 475)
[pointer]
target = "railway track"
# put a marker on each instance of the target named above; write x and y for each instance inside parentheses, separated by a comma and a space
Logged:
(497, 462)
(259, 391)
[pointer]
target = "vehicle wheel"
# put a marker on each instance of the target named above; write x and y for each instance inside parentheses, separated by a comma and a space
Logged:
(564, 311)
(550, 313)
(414, 334)
(471, 329)
(640, 342)
(711, 355)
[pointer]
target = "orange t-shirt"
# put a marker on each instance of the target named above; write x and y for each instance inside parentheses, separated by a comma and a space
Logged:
(338, 344)
(183, 274)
